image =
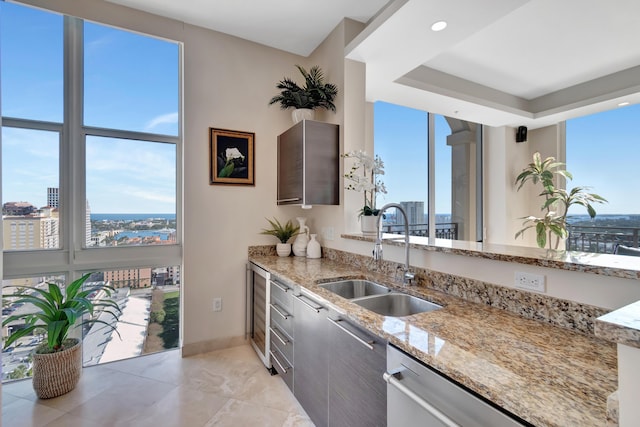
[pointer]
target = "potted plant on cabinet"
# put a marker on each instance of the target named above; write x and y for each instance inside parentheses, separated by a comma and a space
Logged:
(314, 94)
(364, 176)
(557, 201)
(57, 362)
(284, 233)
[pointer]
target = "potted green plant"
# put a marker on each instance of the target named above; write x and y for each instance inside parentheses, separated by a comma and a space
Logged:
(556, 200)
(364, 176)
(284, 233)
(305, 99)
(57, 362)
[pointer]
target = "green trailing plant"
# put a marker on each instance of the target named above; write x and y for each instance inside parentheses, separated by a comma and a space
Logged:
(314, 94)
(59, 310)
(282, 232)
(557, 201)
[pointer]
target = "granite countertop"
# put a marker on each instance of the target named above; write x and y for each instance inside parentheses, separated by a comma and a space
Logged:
(621, 326)
(546, 375)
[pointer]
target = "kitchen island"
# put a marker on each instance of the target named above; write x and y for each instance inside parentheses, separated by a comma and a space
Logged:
(543, 374)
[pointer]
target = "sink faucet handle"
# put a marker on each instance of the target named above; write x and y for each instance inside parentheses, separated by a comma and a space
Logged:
(408, 277)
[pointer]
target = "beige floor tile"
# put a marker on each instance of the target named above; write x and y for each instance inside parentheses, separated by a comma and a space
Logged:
(182, 406)
(228, 387)
(27, 413)
(240, 413)
(123, 400)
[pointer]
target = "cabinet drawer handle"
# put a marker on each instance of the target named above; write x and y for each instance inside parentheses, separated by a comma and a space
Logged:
(285, 316)
(275, 359)
(293, 199)
(312, 307)
(284, 341)
(368, 344)
(279, 286)
(393, 381)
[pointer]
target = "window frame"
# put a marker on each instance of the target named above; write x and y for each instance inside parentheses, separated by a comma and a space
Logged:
(73, 258)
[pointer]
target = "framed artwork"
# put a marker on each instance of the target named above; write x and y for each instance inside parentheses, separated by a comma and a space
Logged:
(231, 159)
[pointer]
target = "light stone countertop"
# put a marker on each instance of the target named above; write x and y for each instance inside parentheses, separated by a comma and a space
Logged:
(621, 326)
(546, 375)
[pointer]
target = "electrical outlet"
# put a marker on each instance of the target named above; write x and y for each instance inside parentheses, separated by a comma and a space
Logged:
(327, 233)
(217, 304)
(529, 281)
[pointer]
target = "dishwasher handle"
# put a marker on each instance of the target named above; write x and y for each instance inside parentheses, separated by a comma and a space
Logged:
(392, 380)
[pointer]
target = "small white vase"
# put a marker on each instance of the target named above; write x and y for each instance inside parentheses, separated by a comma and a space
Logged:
(368, 224)
(300, 114)
(302, 239)
(283, 249)
(313, 248)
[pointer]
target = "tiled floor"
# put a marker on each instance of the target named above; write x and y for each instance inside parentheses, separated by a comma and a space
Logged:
(222, 388)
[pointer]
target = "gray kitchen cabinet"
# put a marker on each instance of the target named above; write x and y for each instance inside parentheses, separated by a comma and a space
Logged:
(357, 390)
(309, 164)
(311, 358)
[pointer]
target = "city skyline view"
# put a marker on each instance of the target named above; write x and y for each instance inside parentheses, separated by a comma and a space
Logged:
(131, 83)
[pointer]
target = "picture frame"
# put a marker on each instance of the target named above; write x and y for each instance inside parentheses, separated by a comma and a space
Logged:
(231, 157)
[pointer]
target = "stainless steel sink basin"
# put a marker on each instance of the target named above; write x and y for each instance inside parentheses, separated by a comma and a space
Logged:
(396, 305)
(355, 288)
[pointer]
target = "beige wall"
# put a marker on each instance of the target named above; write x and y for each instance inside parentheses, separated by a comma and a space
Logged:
(227, 84)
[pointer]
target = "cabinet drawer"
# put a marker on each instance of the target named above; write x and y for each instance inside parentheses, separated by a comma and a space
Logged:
(283, 367)
(281, 341)
(282, 295)
(282, 318)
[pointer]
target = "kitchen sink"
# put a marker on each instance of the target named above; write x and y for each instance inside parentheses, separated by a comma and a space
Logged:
(350, 289)
(396, 305)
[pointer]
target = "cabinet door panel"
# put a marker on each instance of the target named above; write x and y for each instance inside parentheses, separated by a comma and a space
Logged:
(290, 166)
(358, 394)
(311, 358)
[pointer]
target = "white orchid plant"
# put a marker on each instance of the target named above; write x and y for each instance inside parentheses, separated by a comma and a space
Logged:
(364, 177)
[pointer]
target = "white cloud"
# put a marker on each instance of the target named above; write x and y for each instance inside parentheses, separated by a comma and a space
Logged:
(169, 118)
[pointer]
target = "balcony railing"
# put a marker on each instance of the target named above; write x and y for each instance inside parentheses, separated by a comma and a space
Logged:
(444, 230)
(600, 239)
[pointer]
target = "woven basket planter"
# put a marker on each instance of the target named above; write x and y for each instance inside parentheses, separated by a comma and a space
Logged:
(55, 374)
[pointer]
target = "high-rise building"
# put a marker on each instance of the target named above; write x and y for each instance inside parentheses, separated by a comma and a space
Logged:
(415, 213)
(40, 231)
(132, 278)
(53, 197)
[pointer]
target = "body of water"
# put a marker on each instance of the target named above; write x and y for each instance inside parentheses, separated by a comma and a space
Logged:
(163, 234)
(130, 216)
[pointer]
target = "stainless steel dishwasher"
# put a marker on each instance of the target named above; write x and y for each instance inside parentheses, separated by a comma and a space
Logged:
(418, 396)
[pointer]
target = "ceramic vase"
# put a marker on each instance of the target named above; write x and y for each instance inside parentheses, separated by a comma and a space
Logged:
(313, 248)
(283, 249)
(302, 239)
(368, 224)
(300, 114)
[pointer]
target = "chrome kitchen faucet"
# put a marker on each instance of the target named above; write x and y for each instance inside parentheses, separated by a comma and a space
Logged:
(407, 277)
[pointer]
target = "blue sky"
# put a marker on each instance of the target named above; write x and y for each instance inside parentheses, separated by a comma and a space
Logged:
(602, 153)
(131, 83)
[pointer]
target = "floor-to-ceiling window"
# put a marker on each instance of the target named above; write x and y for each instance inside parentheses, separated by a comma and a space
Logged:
(431, 169)
(602, 152)
(91, 154)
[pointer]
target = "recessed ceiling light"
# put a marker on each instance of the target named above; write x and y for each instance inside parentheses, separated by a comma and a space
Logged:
(439, 26)
(623, 104)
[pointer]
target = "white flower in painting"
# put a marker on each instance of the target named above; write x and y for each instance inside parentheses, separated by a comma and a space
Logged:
(233, 153)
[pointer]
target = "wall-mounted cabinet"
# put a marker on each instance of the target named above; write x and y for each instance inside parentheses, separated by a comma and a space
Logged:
(309, 164)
